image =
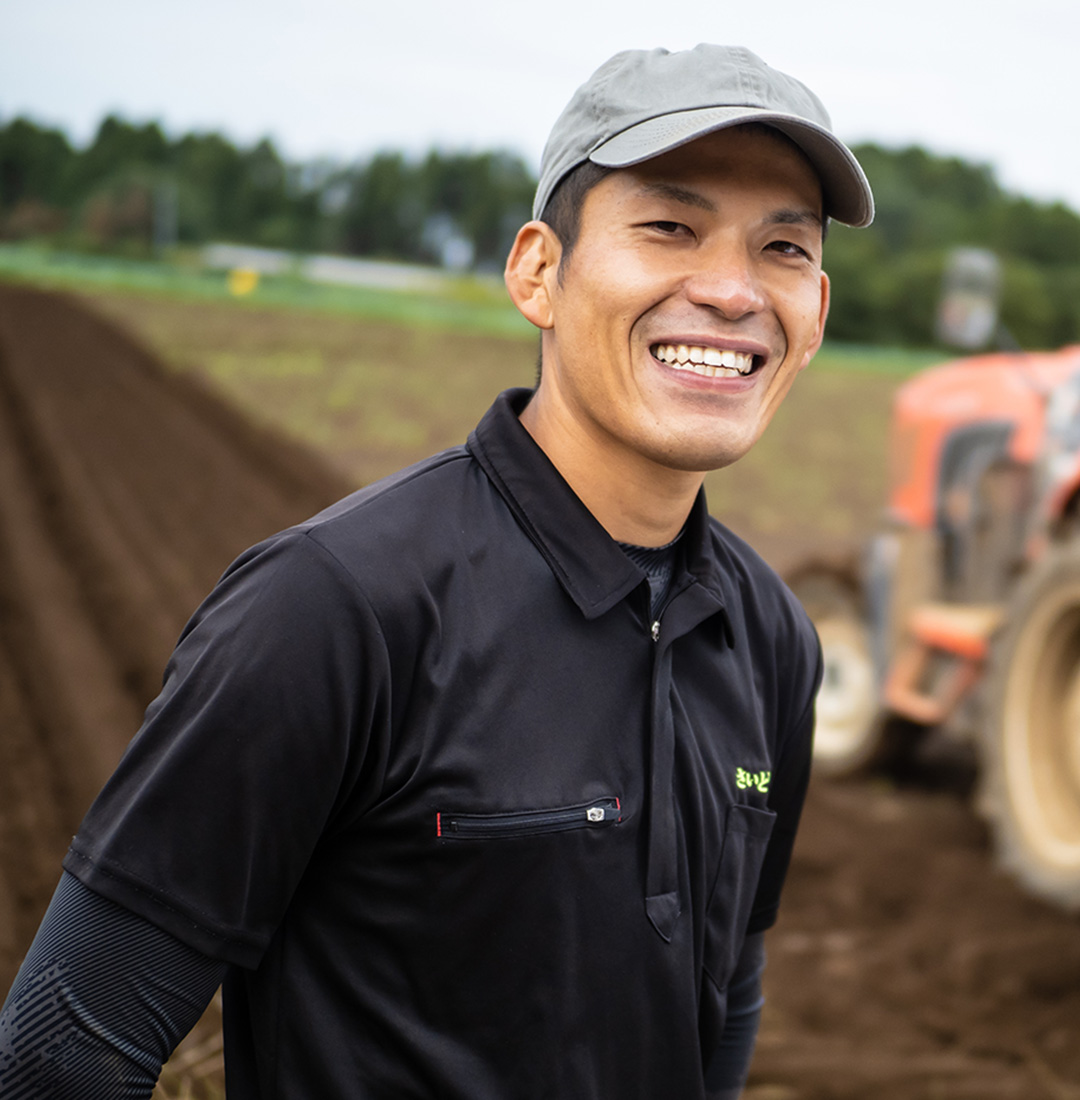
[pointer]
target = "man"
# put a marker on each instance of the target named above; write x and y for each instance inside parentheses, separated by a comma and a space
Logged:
(484, 782)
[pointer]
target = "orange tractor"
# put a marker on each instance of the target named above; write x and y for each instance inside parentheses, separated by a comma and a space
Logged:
(966, 621)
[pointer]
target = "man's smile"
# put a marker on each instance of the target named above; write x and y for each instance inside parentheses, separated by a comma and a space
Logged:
(707, 361)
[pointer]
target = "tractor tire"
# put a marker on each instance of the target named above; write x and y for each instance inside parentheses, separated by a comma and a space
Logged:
(847, 729)
(1031, 765)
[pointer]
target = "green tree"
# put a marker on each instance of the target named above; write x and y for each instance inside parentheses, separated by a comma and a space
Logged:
(33, 160)
(385, 212)
(117, 146)
(209, 171)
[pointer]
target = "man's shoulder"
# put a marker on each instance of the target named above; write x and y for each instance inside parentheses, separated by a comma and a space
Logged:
(397, 509)
(414, 495)
(377, 547)
(400, 534)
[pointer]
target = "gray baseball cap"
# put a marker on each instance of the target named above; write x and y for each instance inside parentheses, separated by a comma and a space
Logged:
(643, 103)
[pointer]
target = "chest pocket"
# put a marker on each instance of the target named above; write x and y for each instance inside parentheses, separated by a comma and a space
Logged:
(745, 839)
(587, 815)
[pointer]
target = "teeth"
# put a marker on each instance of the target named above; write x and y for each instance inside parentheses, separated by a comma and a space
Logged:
(706, 361)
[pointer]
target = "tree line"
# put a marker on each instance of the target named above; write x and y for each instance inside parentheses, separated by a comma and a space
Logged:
(887, 278)
(133, 190)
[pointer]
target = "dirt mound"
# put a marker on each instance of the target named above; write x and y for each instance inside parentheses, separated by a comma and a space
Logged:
(124, 492)
(904, 965)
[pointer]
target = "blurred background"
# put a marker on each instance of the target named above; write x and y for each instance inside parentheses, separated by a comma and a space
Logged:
(250, 259)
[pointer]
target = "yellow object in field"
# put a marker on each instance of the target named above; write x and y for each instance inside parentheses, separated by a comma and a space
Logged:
(242, 281)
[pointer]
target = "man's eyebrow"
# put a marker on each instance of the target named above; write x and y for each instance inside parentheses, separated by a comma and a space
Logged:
(688, 197)
(684, 195)
(795, 217)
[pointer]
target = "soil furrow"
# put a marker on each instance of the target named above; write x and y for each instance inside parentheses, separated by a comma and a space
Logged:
(93, 589)
(63, 712)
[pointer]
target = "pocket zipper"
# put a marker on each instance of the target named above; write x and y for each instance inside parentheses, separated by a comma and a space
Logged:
(589, 815)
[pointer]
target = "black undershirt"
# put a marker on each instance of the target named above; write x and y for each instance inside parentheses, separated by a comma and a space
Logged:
(659, 565)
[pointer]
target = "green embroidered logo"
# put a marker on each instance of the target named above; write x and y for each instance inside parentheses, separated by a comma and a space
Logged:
(744, 780)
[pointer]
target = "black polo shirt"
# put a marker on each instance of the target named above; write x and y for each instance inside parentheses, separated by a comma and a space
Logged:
(466, 819)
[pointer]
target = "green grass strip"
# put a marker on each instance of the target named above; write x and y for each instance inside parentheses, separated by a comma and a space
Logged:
(467, 305)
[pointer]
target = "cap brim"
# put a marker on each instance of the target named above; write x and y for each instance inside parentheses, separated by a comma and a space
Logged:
(845, 190)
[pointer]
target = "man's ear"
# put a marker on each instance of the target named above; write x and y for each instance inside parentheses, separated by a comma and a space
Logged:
(812, 350)
(531, 272)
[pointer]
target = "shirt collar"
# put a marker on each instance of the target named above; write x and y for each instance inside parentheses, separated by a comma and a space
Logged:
(588, 563)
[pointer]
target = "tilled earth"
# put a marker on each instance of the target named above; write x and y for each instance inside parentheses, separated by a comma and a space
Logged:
(904, 964)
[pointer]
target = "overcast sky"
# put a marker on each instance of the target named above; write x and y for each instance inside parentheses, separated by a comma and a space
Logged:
(995, 82)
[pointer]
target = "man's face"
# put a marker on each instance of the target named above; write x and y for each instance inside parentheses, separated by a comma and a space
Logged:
(693, 297)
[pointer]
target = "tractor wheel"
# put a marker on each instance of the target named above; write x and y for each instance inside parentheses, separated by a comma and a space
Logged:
(1031, 788)
(847, 735)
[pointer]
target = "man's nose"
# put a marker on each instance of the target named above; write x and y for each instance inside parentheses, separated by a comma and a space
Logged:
(728, 282)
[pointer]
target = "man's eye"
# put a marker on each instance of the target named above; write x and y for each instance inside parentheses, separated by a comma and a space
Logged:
(669, 227)
(788, 248)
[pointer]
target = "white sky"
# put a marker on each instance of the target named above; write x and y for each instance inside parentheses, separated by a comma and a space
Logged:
(996, 82)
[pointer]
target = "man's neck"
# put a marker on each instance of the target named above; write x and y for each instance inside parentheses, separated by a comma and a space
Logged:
(636, 500)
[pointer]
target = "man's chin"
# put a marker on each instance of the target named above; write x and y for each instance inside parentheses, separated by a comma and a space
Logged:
(704, 459)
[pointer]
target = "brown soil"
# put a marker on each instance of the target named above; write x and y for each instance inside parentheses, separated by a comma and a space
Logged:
(904, 965)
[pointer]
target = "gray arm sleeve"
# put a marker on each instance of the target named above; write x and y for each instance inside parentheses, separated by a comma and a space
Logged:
(726, 1073)
(100, 1002)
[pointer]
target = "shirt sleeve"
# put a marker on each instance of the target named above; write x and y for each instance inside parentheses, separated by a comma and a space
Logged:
(257, 740)
(100, 1002)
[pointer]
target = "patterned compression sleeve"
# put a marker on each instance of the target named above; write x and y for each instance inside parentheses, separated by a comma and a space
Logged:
(100, 1002)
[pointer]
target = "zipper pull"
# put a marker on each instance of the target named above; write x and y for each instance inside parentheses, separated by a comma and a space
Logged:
(655, 631)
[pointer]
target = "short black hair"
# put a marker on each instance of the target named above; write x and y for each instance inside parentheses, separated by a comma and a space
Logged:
(563, 209)
(562, 212)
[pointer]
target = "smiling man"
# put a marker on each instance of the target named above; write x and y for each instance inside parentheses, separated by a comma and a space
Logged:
(691, 299)
(483, 784)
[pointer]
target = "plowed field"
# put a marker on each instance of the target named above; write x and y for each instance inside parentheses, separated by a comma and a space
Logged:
(904, 965)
